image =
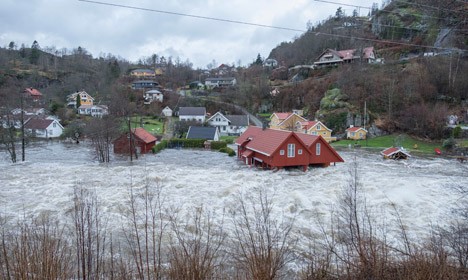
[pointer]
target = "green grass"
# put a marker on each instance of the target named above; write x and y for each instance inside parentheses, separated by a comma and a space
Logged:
(151, 125)
(228, 139)
(383, 142)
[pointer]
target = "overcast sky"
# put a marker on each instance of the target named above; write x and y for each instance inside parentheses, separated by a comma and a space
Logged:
(136, 33)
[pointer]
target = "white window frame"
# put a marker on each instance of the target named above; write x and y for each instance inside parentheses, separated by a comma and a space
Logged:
(291, 150)
(299, 151)
(281, 152)
(318, 149)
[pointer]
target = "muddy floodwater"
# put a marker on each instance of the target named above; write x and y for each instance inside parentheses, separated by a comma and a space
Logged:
(421, 189)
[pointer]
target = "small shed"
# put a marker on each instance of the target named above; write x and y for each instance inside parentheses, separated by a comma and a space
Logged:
(141, 140)
(395, 153)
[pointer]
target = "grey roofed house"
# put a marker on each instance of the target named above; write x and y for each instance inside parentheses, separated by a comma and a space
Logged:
(238, 120)
(192, 111)
(203, 132)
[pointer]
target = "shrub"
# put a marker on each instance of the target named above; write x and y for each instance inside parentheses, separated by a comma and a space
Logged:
(457, 131)
(449, 143)
(159, 147)
(216, 145)
(228, 151)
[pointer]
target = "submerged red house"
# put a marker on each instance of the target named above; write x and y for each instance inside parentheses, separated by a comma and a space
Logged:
(141, 140)
(271, 148)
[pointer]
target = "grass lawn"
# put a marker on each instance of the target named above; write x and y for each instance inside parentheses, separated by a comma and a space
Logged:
(151, 125)
(383, 142)
(228, 139)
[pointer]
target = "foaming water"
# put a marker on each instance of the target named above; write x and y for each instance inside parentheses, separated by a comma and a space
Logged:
(419, 188)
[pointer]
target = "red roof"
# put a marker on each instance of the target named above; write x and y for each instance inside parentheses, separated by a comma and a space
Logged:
(33, 92)
(266, 141)
(347, 54)
(393, 150)
(355, 128)
(144, 135)
(282, 116)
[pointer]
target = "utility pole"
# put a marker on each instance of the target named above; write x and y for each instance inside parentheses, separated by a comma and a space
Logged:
(130, 146)
(23, 141)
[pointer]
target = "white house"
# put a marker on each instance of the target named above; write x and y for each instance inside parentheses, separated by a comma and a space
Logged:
(93, 110)
(44, 128)
(153, 95)
(167, 112)
(229, 124)
(220, 82)
(192, 114)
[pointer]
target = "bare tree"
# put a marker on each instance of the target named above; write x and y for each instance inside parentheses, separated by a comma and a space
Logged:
(263, 244)
(144, 237)
(102, 131)
(89, 232)
(196, 246)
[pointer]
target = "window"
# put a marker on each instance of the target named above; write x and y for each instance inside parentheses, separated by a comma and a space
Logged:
(318, 127)
(299, 151)
(54, 124)
(317, 149)
(291, 150)
(224, 128)
(281, 152)
(314, 132)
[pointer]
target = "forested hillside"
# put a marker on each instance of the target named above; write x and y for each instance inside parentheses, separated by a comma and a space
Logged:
(422, 45)
(420, 80)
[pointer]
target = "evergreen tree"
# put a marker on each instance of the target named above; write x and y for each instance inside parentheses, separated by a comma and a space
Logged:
(259, 60)
(78, 101)
(23, 51)
(35, 53)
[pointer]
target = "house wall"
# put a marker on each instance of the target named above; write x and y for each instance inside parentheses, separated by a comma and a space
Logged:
(192, 118)
(357, 135)
(121, 145)
(326, 153)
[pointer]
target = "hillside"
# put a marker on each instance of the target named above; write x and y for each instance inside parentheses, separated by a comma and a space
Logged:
(423, 45)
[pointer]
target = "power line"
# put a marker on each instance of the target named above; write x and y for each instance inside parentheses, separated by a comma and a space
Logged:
(192, 16)
(265, 25)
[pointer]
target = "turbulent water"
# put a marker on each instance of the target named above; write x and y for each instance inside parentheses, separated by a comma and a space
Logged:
(421, 189)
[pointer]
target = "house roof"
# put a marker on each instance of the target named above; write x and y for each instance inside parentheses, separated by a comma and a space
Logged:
(309, 124)
(201, 132)
(33, 92)
(355, 129)
(144, 135)
(74, 95)
(38, 123)
(153, 91)
(220, 79)
(267, 141)
(368, 52)
(347, 54)
(192, 111)
(281, 116)
(393, 150)
(238, 120)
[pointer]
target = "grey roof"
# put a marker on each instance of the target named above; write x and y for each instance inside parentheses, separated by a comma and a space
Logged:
(192, 111)
(201, 132)
(238, 120)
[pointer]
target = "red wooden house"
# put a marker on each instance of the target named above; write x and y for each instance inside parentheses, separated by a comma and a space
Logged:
(271, 148)
(141, 141)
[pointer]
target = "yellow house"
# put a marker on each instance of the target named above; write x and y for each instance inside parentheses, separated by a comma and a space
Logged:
(315, 128)
(85, 99)
(356, 133)
(285, 121)
(142, 73)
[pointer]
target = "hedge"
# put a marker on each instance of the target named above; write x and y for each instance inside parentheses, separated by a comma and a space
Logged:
(188, 143)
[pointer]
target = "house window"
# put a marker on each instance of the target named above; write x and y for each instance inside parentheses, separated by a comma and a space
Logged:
(314, 132)
(299, 151)
(224, 128)
(54, 124)
(281, 152)
(318, 127)
(317, 149)
(291, 150)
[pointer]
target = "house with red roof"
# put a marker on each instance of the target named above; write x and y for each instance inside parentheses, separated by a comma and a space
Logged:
(285, 121)
(140, 140)
(395, 153)
(276, 149)
(333, 57)
(43, 128)
(315, 128)
(356, 133)
(35, 94)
